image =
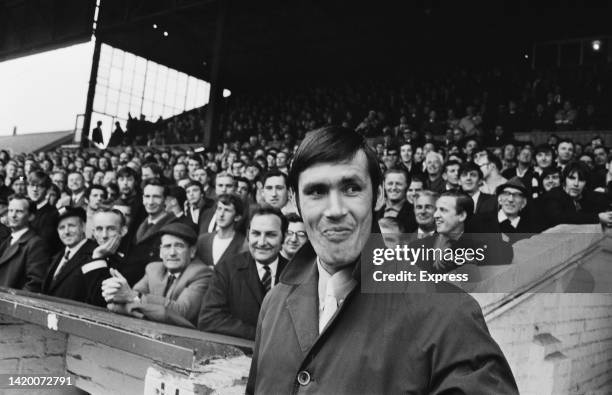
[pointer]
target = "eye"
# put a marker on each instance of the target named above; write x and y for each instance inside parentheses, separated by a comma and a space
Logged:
(352, 188)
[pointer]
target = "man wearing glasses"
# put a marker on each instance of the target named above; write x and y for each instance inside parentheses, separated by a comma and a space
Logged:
(296, 236)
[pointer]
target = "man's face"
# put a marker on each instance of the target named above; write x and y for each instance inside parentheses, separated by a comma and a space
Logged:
(433, 166)
(88, 173)
(251, 173)
(512, 201)
(265, 238)
(175, 253)
(71, 231)
(179, 172)
(75, 182)
(224, 185)
(406, 153)
(109, 177)
(574, 185)
(525, 156)
(335, 201)
(58, 180)
(18, 216)
(451, 174)
(192, 166)
(281, 159)
(275, 192)
(127, 213)
(296, 237)
(415, 187)
(126, 185)
(36, 192)
(424, 209)
(194, 195)
(226, 215)
(200, 176)
(147, 174)
(243, 190)
(390, 160)
(153, 199)
(544, 159)
(395, 187)
(447, 219)
(237, 168)
(551, 181)
(469, 181)
(565, 152)
(601, 157)
(96, 196)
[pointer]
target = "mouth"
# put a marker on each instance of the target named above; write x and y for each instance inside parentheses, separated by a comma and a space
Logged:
(337, 234)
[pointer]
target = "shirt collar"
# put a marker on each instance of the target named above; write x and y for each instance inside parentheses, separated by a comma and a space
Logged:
(17, 235)
(501, 217)
(156, 220)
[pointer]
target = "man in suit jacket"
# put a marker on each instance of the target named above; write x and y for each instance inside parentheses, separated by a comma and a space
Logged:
(145, 245)
(45, 218)
(470, 178)
(212, 248)
(196, 203)
(453, 212)
(240, 283)
(318, 332)
(72, 274)
(172, 289)
(24, 258)
(396, 205)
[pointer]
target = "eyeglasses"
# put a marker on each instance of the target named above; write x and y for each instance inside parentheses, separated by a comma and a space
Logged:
(514, 195)
(300, 234)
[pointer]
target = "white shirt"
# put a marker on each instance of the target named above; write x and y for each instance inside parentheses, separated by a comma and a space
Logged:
(422, 234)
(195, 214)
(261, 271)
(213, 223)
(156, 220)
(16, 235)
(219, 246)
(475, 199)
(71, 251)
(501, 217)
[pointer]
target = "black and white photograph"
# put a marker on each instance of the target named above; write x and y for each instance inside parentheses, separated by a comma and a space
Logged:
(305, 197)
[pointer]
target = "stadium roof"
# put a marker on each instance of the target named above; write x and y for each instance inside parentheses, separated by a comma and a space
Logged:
(35, 142)
(287, 42)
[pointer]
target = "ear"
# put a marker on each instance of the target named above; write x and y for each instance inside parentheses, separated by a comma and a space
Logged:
(123, 231)
(499, 200)
(463, 216)
(192, 252)
(237, 218)
(380, 198)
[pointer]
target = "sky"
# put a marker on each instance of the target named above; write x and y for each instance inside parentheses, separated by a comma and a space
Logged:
(44, 92)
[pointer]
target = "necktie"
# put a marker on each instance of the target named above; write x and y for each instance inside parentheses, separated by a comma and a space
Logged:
(62, 263)
(171, 279)
(506, 226)
(330, 306)
(266, 280)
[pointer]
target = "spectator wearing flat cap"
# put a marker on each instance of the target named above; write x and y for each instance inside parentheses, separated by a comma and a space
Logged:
(72, 274)
(172, 289)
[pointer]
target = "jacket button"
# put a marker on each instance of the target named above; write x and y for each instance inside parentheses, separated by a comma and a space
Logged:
(303, 377)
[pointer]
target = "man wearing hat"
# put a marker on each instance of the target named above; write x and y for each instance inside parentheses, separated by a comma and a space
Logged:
(72, 274)
(172, 289)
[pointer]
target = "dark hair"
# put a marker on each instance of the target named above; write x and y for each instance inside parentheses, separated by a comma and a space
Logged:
(155, 168)
(544, 148)
(156, 183)
(96, 186)
(565, 141)
(333, 144)
(234, 200)
(293, 217)
(492, 158)
(581, 169)
(467, 167)
(245, 180)
(449, 163)
(463, 202)
(273, 173)
(178, 193)
(18, 196)
(128, 172)
(269, 210)
(41, 176)
(193, 183)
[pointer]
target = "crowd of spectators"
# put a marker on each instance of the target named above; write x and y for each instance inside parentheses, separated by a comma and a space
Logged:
(196, 237)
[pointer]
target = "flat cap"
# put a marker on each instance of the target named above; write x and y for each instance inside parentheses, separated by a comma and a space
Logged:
(67, 212)
(515, 183)
(181, 230)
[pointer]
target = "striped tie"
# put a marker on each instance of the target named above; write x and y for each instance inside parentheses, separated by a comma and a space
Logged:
(266, 280)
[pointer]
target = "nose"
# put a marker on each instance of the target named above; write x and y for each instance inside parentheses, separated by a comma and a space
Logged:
(260, 240)
(335, 205)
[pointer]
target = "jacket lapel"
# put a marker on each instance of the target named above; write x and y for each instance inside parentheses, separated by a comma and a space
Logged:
(249, 272)
(233, 247)
(72, 264)
(152, 230)
(14, 248)
(302, 304)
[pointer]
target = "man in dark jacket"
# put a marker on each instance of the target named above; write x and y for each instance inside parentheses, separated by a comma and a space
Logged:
(72, 274)
(319, 333)
(240, 282)
(45, 218)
